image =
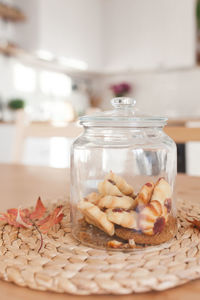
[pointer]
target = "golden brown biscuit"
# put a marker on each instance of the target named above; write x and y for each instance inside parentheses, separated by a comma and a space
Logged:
(120, 245)
(167, 208)
(93, 198)
(121, 183)
(117, 201)
(125, 218)
(144, 196)
(151, 220)
(161, 191)
(108, 187)
(93, 215)
(83, 204)
(115, 244)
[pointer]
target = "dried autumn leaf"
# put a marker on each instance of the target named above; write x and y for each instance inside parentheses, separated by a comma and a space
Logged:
(195, 223)
(18, 217)
(10, 219)
(14, 211)
(54, 218)
(41, 222)
(11, 216)
(24, 218)
(39, 211)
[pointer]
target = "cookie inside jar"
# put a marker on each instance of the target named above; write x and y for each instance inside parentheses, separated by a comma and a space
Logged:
(116, 216)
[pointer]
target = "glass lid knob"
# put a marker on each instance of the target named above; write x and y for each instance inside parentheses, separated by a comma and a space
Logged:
(123, 102)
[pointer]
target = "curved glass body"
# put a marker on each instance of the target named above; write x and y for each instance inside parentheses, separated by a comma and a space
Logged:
(122, 187)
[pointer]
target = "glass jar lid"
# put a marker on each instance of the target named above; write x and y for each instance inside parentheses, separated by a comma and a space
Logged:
(124, 114)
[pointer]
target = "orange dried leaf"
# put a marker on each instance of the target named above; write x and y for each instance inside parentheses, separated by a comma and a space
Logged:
(10, 219)
(17, 217)
(41, 222)
(59, 218)
(195, 223)
(22, 219)
(54, 218)
(14, 211)
(39, 211)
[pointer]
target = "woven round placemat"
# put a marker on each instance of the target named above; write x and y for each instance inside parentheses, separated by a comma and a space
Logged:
(64, 265)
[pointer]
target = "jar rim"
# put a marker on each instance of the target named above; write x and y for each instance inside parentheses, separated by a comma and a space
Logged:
(136, 122)
(124, 115)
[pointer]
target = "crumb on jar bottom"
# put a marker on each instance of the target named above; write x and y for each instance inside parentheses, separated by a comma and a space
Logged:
(92, 236)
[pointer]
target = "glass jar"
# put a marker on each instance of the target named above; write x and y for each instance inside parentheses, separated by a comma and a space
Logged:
(123, 170)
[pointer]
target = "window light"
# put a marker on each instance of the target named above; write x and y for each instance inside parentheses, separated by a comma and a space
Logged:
(55, 84)
(24, 78)
(44, 54)
(73, 63)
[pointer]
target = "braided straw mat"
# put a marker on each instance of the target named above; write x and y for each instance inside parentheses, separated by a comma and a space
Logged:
(64, 265)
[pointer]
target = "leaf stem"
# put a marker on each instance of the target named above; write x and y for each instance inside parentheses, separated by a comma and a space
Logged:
(40, 233)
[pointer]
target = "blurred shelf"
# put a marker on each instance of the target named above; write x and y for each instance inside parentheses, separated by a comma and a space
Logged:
(31, 59)
(158, 70)
(34, 60)
(8, 49)
(10, 13)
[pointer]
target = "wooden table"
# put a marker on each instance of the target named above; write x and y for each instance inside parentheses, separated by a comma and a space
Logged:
(22, 185)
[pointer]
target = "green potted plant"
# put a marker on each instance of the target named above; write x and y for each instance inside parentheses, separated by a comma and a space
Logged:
(16, 103)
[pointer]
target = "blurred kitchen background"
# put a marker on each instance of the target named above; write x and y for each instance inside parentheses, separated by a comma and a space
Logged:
(61, 59)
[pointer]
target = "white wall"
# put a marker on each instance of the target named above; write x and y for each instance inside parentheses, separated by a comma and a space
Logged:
(6, 30)
(141, 34)
(72, 29)
(112, 34)
(26, 34)
(6, 76)
(172, 93)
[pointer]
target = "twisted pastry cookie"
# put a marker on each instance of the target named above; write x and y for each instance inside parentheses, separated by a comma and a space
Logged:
(108, 187)
(140, 238)
(151, 219)
(121, 183)
(117, 201)
(123, 217)
(154, 216)
(162, 191)
(93, 198)
(144, 196)
(93, 215)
